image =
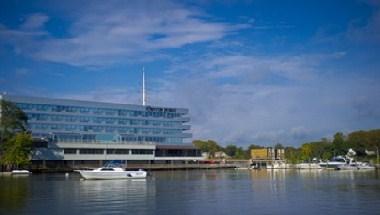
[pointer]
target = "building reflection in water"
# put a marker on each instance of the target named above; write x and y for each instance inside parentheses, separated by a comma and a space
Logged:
(118, 195)
(194, 192)
(269, 181)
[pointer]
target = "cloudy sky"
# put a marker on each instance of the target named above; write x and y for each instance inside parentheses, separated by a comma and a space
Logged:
(251, 72)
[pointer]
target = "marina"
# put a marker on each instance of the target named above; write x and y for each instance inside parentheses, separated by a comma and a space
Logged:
(190, 107)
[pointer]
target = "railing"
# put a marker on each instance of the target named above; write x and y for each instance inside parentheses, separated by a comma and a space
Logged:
(110, 142)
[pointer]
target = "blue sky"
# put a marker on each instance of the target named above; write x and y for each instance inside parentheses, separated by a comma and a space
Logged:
(251, 72)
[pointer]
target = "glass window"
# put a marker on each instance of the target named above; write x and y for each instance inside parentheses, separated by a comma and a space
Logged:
(156, 123)
(118, 151)
(104, 137)
(110, 112)
(98, 111)
(110, 120)
(135, 122)
(142, 151)
(91, 151)
(69, 151)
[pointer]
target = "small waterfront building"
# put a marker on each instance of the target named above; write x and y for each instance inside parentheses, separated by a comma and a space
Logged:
(221, 155)
(85, 133)
(268, 154)
(267, 157)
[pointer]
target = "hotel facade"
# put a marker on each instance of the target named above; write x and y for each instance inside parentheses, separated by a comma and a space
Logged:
(85, 133)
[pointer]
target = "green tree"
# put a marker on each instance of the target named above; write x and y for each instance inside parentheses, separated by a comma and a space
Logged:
(359, 141)
(306, 151)
(209, 146)
(17, 151)
(327, 155)
(231, 150)
(340, 146)
(374, 142)
(240, 153)
(292, 154)
(13, 125)
(12, 120)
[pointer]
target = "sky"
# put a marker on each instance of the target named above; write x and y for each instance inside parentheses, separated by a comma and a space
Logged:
(250, 72)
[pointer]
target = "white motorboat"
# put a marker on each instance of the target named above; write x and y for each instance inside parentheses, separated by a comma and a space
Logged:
(356, 166)
(20, 172)
(334, 163)
(365, 166)
(348, 167)
(112, 173)
(347, 163)
(308, 166)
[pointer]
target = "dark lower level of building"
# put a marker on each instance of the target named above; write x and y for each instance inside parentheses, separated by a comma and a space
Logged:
(68, 166)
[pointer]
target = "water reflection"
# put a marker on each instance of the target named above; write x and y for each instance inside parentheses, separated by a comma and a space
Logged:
(13, 192)
(196, 192)
(117, 195)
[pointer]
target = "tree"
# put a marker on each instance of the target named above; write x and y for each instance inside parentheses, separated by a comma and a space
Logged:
(231, 150)
(209, 146)
(359, 141)
(12, 120)
(17, 151)
(340, 146)
(374, 142)
(14, 141)
(240, 153)
(306, 151)
(292, 154)
(327, 155)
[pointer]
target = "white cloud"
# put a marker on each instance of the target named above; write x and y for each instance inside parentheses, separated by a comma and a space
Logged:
(248, 112)
(233, 98)
(34, 22)
(110, 32)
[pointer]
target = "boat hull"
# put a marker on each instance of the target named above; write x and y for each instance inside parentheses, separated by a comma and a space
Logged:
(97, 175)
(20, 172)
(331, 165)
(308, 166)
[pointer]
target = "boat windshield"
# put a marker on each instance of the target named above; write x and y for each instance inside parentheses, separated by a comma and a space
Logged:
(106, 169)
(339, 159)
(113, 164)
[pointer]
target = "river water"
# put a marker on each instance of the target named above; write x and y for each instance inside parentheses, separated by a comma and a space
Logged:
(196, 192)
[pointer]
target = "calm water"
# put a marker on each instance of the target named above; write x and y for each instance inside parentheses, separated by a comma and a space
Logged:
(196, 192)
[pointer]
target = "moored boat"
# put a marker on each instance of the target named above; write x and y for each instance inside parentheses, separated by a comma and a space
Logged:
(366, 166)
(112, 173)
(20, 172)
(308, 166)
(347, 167)
(356, 166)
(334, 163)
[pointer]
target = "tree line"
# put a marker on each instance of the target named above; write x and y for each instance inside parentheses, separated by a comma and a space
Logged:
(365, 143)
(231, 150)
